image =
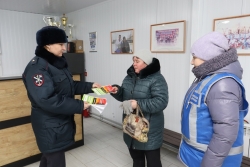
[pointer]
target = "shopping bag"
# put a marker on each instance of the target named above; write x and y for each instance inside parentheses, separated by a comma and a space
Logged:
(136, 126)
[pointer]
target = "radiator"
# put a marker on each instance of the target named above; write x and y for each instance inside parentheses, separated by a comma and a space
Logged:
(246, 149)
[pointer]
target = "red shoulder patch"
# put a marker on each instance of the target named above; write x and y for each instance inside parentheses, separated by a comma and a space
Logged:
(38, 79)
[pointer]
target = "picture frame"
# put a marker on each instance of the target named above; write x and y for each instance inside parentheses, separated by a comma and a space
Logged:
(168, 37)
(0, 46)
(237, 30)
(122, 41)
(93, 41)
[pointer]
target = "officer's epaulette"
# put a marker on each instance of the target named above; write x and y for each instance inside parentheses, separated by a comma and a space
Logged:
(41, 62)
(34, 60)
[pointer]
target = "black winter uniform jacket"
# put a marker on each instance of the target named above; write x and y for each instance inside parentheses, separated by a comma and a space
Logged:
(51, 91)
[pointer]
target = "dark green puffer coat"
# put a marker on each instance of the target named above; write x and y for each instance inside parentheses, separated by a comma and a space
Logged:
(150, 90)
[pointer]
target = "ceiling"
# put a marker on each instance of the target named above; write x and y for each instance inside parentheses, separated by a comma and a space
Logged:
(47, 7)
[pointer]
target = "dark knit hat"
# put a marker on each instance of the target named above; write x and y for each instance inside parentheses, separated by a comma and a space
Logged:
(50, 35)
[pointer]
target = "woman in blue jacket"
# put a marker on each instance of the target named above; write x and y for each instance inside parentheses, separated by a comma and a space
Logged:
(51, 91)
(145, 86)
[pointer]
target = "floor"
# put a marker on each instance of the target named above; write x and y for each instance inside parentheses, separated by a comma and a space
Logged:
(104, 147)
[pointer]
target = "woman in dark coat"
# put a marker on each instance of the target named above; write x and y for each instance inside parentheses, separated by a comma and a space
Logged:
(51, 91)
(145, 86)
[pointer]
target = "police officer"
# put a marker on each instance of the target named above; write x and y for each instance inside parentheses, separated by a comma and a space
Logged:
(51, 91)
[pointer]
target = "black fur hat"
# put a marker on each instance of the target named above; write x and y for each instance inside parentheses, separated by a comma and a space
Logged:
(50, 35)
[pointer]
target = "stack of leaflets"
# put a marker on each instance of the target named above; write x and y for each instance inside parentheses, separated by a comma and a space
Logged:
(98, 103)
(103, 90)
(94, 100)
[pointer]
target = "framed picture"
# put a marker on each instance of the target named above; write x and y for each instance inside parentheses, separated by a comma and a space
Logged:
(93, 41)
(122, 42)
(237, 31)
(0, 45)
(168, 37)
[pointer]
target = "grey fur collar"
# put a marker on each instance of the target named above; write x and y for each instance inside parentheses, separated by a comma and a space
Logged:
(216, 63)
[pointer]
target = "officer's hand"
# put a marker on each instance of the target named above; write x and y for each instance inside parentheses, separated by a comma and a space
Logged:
(114, 90)
(96, 85)
(85, 105)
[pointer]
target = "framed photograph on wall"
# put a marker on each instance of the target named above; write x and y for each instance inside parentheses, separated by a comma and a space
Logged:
(237, 30)
(122, 41)
(93, 41)
(168, 37)
(0, 46)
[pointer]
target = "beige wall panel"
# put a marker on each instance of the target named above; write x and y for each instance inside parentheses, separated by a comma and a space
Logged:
(17, 143)
(14, 102)
(77, 78)
(78, 117)
(78, 120)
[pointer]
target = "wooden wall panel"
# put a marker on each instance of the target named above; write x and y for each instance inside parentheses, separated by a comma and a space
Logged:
(77, 78)
(14, 102)
(17, 143)
(78, 120)
(78, 117)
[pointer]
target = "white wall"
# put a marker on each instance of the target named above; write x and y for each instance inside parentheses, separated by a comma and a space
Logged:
(204, 12)
(17, 40)
(107, 68)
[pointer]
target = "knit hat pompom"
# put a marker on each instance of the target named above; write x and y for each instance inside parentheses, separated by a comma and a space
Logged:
(50, 35)
(144, 55)
(210, 45)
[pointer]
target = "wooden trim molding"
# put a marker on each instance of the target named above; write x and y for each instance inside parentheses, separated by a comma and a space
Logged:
(14, 122)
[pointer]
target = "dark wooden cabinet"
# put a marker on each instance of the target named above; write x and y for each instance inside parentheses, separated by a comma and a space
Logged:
(76, 64)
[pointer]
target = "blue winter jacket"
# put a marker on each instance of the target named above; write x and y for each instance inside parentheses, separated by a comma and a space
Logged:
(224, 100)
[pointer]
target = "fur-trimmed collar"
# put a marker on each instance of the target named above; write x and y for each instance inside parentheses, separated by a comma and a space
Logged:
(58, 62)
(150, 69)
